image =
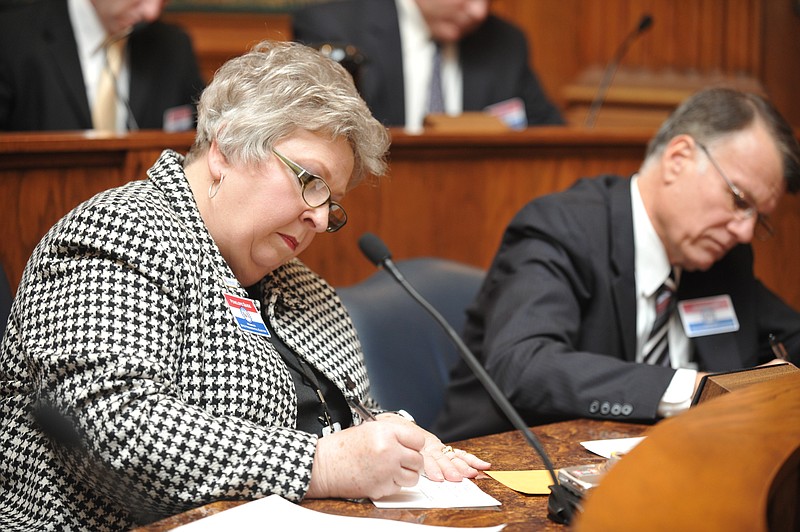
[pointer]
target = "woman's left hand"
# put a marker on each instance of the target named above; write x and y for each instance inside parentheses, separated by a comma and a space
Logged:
(442, 462)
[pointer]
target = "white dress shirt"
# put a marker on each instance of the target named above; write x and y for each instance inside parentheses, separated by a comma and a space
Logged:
(418, 50)
(652, 268)
(89, 36)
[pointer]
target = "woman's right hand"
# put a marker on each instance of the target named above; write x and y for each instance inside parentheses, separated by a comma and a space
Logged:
(369, 460)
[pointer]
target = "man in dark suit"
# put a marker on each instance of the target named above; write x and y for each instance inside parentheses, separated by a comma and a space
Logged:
(42, 79)
(565, 317)
(490, 54)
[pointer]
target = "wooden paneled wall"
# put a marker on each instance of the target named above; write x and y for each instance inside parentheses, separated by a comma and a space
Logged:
(218, 37)
(753, 39)
(734, 38)
(45, 175)
(447, 195)
(703, 35)
(698, 35)
(781, 49)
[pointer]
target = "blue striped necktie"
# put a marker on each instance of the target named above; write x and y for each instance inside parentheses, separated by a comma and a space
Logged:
(436, 96)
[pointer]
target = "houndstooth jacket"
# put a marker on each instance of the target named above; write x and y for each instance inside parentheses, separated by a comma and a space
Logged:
(163, 403)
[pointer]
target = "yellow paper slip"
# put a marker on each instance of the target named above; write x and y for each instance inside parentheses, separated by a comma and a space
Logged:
(530, 482)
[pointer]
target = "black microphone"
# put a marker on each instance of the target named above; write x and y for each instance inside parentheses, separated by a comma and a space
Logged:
(591, 117)
(377, 252)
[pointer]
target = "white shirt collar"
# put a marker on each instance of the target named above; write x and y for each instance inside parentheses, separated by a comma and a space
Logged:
(89, 36)
(652, 266)
(411, 20)
(89, 31)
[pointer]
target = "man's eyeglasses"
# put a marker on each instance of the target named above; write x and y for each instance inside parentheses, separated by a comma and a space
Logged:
(316, 193)
(743, 209)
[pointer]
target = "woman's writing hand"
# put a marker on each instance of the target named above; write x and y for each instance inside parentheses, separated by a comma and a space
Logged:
(442, 462)
(370, 460)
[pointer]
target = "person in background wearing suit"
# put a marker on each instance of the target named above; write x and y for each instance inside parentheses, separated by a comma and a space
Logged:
(167, 348)
(484, 59)
(575, 319)
(53, 59)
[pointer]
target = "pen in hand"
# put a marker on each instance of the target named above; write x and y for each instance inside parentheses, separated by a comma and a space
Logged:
(356, 404)
(778, 349)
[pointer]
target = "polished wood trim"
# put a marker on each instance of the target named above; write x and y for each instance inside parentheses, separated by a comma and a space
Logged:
(728, 464)
(507, 451)
(49, 142)
(717, 384)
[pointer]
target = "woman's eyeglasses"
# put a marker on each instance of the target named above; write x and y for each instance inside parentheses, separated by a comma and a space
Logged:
(316, 193)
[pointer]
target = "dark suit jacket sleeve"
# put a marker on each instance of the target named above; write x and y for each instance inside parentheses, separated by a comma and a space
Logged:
(551, 335)
(309, 25)
(552, 327)
(370, 25)
(780, 319)
(41, 82)
(496, 67)
(164, 73)
(760, 312)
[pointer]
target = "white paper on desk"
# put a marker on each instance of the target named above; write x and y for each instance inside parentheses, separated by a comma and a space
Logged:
(274, 513)
(607, 448)
(430, 494)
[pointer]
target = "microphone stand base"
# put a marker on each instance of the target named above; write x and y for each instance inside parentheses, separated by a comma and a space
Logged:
(562, 505)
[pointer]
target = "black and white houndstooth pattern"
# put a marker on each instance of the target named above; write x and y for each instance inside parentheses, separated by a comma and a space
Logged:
(120, 324)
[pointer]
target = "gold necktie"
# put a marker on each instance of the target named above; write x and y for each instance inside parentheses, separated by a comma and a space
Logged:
(104, 113)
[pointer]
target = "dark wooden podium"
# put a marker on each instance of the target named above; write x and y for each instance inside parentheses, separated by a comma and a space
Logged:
(732, 463)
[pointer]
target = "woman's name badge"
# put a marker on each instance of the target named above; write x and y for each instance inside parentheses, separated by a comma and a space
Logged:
(246, 315)
(708, 315)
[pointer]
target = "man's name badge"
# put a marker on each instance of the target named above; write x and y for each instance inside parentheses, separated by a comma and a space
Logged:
(246, 315)
(708, 315)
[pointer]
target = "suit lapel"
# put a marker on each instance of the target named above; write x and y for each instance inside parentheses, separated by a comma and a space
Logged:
(718, 352)
(477, 77)
(140, 84)
(383, 34)
(63, 51)
(623, 279)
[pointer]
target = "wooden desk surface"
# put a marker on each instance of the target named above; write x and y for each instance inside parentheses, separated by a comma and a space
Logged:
(506, 451)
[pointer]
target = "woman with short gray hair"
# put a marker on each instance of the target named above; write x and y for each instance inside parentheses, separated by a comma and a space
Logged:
(167, 349)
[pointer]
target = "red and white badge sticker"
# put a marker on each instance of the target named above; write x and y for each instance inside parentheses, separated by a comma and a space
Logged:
(708, 315)
(246, 315)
